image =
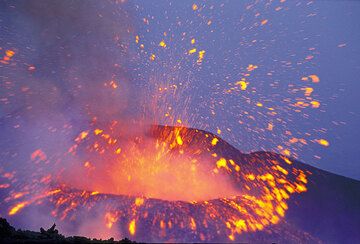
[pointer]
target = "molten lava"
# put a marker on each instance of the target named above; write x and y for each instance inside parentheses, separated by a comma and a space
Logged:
(136, 164)
(164, 183)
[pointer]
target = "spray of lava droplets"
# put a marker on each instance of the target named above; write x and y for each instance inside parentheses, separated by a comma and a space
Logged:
(129, 176)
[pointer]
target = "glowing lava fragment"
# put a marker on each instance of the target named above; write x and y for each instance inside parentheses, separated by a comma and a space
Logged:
(9, 53)
(17, 208)
(323, 142)
(263, 22)
(214, 141)
(132, 227)
(221, 163)
(315, 104)
(201, 56)
(314, 78)
(162, 44)
(242, 84)
(191, 51)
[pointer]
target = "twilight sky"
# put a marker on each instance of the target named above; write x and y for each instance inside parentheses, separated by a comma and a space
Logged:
(327, 32)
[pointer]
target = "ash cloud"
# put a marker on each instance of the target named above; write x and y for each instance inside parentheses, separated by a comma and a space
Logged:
(75, 47)
(66, 53)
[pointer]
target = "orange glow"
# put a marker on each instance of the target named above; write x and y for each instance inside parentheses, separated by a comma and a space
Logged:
(110, 219)
(139, 201)
(166, 168)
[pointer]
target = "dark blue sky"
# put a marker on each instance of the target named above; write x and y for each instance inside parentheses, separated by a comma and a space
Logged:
(293, 32)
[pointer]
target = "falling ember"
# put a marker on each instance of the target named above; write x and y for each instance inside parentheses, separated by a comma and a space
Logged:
(243, 84)
(323, 142)
(315, 104)
(314, 78)
(201, 56)
(251, 67)
(162, 44)
(82, 136)
(9, 53)
(308, 91)
(191, 51)
(132, 227)
(214, 141)
(192, 224)
(263, 22)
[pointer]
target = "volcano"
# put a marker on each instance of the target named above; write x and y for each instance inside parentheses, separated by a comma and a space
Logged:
(261, 196)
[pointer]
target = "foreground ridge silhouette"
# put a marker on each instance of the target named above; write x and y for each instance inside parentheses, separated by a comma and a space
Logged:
(8, 234)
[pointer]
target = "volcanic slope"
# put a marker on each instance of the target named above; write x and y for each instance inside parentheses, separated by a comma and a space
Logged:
(278, 199)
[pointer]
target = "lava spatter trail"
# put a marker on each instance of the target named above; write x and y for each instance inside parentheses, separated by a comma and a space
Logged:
(243, 193)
